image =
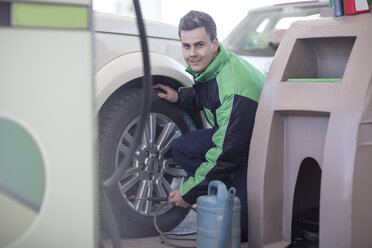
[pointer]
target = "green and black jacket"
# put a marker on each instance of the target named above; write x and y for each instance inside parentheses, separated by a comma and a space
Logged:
(228, 91)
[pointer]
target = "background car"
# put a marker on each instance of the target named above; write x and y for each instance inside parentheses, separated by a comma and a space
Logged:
(118, 78)
(258, 35)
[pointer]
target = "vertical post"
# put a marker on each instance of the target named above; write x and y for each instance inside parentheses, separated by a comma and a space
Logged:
(49, 199)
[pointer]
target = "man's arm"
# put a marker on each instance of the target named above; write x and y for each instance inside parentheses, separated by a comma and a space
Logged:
(235, 121)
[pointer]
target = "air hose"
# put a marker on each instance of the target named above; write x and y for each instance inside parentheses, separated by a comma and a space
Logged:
(144, 110)
(167, 237)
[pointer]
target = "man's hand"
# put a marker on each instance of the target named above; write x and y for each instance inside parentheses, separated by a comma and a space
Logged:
(170, 94)
(176, 199)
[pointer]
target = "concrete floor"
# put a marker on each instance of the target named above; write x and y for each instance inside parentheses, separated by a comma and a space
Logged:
(186, 226)
(155, 242)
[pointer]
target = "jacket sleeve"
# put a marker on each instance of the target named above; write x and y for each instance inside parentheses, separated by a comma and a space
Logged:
(187, 99)
(235, 119)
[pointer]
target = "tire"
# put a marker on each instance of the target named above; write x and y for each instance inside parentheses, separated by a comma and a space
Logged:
(153, 171)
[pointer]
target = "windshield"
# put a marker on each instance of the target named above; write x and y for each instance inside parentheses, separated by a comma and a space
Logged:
(260, 32)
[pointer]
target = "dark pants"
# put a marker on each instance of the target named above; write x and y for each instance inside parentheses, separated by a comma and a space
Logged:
(189, 151)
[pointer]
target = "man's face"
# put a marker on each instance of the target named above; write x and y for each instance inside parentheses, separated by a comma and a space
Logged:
(198, 50)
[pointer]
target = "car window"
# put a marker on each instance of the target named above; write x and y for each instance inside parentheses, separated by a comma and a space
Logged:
(260, 32)
(285, 22)
(262, 25)
(252, 33)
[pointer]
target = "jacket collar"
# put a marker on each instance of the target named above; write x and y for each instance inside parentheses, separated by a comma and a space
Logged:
(213, 68)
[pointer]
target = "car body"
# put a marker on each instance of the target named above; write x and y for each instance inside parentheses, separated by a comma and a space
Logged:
(118, 79)
(258, 35)
(118, 57)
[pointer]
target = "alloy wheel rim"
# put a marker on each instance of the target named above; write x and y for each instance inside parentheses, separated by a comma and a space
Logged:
(153, 172)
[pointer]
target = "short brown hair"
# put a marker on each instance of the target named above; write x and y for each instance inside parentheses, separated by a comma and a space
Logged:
(196, 19)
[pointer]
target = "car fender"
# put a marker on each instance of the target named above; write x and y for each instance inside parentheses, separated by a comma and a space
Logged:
(128, 67)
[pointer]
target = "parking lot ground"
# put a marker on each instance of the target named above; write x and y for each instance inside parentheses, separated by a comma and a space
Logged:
(186, 226)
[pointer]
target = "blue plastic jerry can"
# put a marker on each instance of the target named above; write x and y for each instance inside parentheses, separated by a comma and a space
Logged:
(218, 217)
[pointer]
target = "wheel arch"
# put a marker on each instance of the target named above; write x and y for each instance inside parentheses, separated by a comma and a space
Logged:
(127, 71)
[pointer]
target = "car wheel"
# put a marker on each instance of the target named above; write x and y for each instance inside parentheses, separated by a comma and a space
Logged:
(152, 172)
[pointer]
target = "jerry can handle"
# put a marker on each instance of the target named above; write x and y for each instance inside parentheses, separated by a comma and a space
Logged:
(216, 187)
(219, 189)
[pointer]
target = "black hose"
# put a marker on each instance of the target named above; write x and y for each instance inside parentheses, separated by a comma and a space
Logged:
(145, 101)
(144, 110)
(166, 237)
(110, 221)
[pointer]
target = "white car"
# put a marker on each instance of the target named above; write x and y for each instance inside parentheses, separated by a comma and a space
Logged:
(118, 79)
(258, 35)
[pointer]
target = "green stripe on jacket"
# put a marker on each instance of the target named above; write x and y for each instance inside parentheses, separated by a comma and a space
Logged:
(214, 153)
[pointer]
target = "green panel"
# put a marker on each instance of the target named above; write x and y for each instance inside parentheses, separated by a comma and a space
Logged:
(331, 3)
(21, 164)
(370, 2)
(52, 16)
(317, 80)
